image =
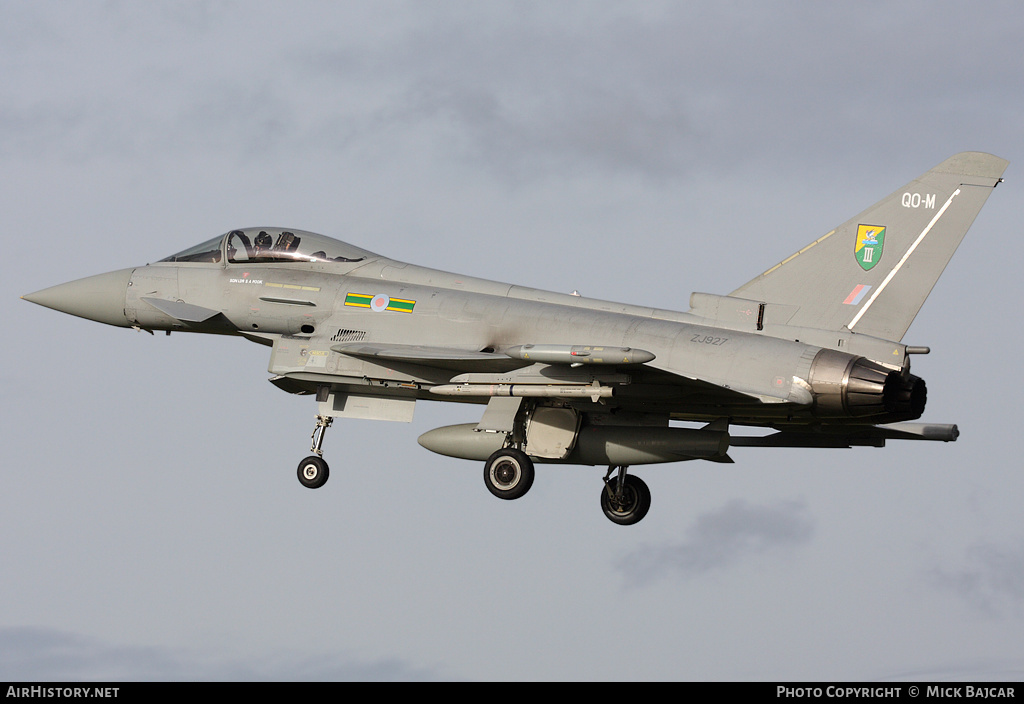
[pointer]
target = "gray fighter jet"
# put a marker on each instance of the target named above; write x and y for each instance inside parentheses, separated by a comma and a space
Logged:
(810, 349)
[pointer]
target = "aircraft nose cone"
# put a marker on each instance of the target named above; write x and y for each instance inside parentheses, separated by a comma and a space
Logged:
(99, 298)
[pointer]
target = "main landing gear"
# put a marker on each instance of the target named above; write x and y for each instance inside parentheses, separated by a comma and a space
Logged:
(508, 473)
(625, 498)
(313, 471)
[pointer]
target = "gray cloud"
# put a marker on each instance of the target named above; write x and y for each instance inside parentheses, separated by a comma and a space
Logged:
(992, 579)
(977, 669)
(651, 92)
(520, 91)
(42, 654)
(722, 538)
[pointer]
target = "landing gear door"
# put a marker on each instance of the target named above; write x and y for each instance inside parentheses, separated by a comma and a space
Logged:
(551, 432)
(342, 405)
(500, 415)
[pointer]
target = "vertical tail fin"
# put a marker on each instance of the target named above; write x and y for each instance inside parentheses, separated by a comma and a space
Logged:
(873, 273)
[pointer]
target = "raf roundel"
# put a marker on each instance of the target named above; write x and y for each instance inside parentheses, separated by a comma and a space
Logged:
(379, 303)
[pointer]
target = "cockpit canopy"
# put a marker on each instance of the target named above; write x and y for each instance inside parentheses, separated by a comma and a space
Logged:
(255, 245)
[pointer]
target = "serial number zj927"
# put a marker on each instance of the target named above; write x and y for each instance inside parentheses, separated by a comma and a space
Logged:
(708, 339)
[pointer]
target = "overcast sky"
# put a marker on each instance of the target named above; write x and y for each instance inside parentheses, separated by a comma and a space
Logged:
(152, 525)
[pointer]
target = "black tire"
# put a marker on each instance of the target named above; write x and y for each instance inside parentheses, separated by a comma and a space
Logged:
(508, 474)
(313, 472)
(633, 505)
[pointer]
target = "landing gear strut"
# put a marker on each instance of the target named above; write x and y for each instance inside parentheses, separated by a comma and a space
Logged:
(625, 499)
(313, 471)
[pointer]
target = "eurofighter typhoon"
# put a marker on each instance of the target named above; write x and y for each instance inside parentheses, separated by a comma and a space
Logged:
(810, 349)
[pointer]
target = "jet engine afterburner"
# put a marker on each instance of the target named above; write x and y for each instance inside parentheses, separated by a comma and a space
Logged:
(845, 386)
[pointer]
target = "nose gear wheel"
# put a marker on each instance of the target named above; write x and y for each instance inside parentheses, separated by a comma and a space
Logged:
(313, 472)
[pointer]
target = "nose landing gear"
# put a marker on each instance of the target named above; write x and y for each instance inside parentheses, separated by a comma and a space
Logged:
(313, 471)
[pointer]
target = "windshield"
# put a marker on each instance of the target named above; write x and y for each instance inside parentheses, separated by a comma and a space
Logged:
(206, 252)
(257, 244)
